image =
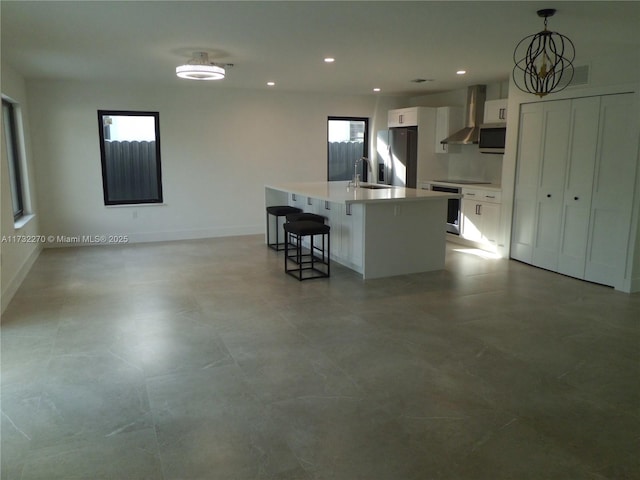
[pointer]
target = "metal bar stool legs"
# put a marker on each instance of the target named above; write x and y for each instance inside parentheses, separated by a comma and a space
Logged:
(278, 211)
(319, 263)
(297, 217)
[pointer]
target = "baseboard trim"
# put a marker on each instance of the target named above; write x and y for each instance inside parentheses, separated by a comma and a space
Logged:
(13, 285)
(634, 286)
(149, 237)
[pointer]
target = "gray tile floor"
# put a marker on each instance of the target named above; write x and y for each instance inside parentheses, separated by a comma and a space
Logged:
(203, 360)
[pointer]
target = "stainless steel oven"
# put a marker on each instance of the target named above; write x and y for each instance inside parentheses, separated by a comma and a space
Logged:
(453, 208)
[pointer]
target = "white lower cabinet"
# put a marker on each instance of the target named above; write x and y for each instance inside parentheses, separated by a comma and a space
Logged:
(299, 201)
(575, 185)
(347, 224)
(480, 216)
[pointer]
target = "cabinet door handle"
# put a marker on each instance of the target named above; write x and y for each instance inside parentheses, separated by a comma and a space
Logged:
(490, 196)
(400, 118)
(309, 201)
(326, 206)
(471, 194)
(478, 209)
(501, 114)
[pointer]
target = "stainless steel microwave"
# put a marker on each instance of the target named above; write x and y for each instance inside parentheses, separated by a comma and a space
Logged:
(492, 137)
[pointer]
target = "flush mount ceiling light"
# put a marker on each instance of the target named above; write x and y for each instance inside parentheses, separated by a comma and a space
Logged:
(201, 68)
(543, 62)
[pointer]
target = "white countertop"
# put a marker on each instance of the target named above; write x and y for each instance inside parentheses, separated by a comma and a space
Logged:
(341, 192)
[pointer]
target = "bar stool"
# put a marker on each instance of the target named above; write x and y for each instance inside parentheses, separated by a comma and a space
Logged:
(317, 266)
(297, 217)
(278, 211)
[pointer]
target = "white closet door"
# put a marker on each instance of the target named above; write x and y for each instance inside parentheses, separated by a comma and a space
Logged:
(550, 198)
(613, 190)
(577, 195)
(528, 164)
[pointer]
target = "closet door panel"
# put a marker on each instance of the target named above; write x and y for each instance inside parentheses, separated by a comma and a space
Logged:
(526, 188)
(577, 195)
(613, 190)
(550, 195)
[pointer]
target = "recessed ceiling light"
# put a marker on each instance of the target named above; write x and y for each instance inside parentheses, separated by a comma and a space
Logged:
(376, 89)
(461, 72)
(271, 84)
(329, 60)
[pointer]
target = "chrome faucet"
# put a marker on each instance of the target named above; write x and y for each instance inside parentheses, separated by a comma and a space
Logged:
(356, 175)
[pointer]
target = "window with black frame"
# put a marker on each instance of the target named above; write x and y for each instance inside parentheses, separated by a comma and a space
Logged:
(348, 142)
(10, 134)
(130, 155)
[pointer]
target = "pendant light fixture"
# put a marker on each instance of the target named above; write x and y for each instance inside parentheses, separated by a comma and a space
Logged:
(201, 68)
(543, 62)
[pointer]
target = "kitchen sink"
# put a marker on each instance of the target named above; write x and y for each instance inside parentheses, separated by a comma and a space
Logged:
(375, 187)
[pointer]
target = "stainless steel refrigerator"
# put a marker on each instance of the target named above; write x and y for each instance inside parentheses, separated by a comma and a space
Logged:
(397, 156)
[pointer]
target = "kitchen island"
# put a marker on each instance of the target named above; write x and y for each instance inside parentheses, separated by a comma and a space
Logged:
(378, 231)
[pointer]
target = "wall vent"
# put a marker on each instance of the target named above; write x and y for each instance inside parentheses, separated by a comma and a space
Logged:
(580, 77)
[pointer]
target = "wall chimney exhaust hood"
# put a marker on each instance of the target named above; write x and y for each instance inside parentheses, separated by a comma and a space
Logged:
(476, 95)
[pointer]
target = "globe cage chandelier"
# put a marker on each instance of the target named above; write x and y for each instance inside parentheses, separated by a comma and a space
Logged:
(201, 68)
(543, 62)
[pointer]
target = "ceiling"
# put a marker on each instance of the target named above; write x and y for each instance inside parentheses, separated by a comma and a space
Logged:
(375, 44)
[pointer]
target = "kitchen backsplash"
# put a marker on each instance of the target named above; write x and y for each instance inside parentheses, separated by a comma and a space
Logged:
(469, 163)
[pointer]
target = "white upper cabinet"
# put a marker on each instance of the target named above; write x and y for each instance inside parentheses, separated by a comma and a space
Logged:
(448, 122)
(403, 117)
(495, 111)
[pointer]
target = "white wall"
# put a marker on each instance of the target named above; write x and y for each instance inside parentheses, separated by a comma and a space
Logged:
(17, 258)
(219, 148)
